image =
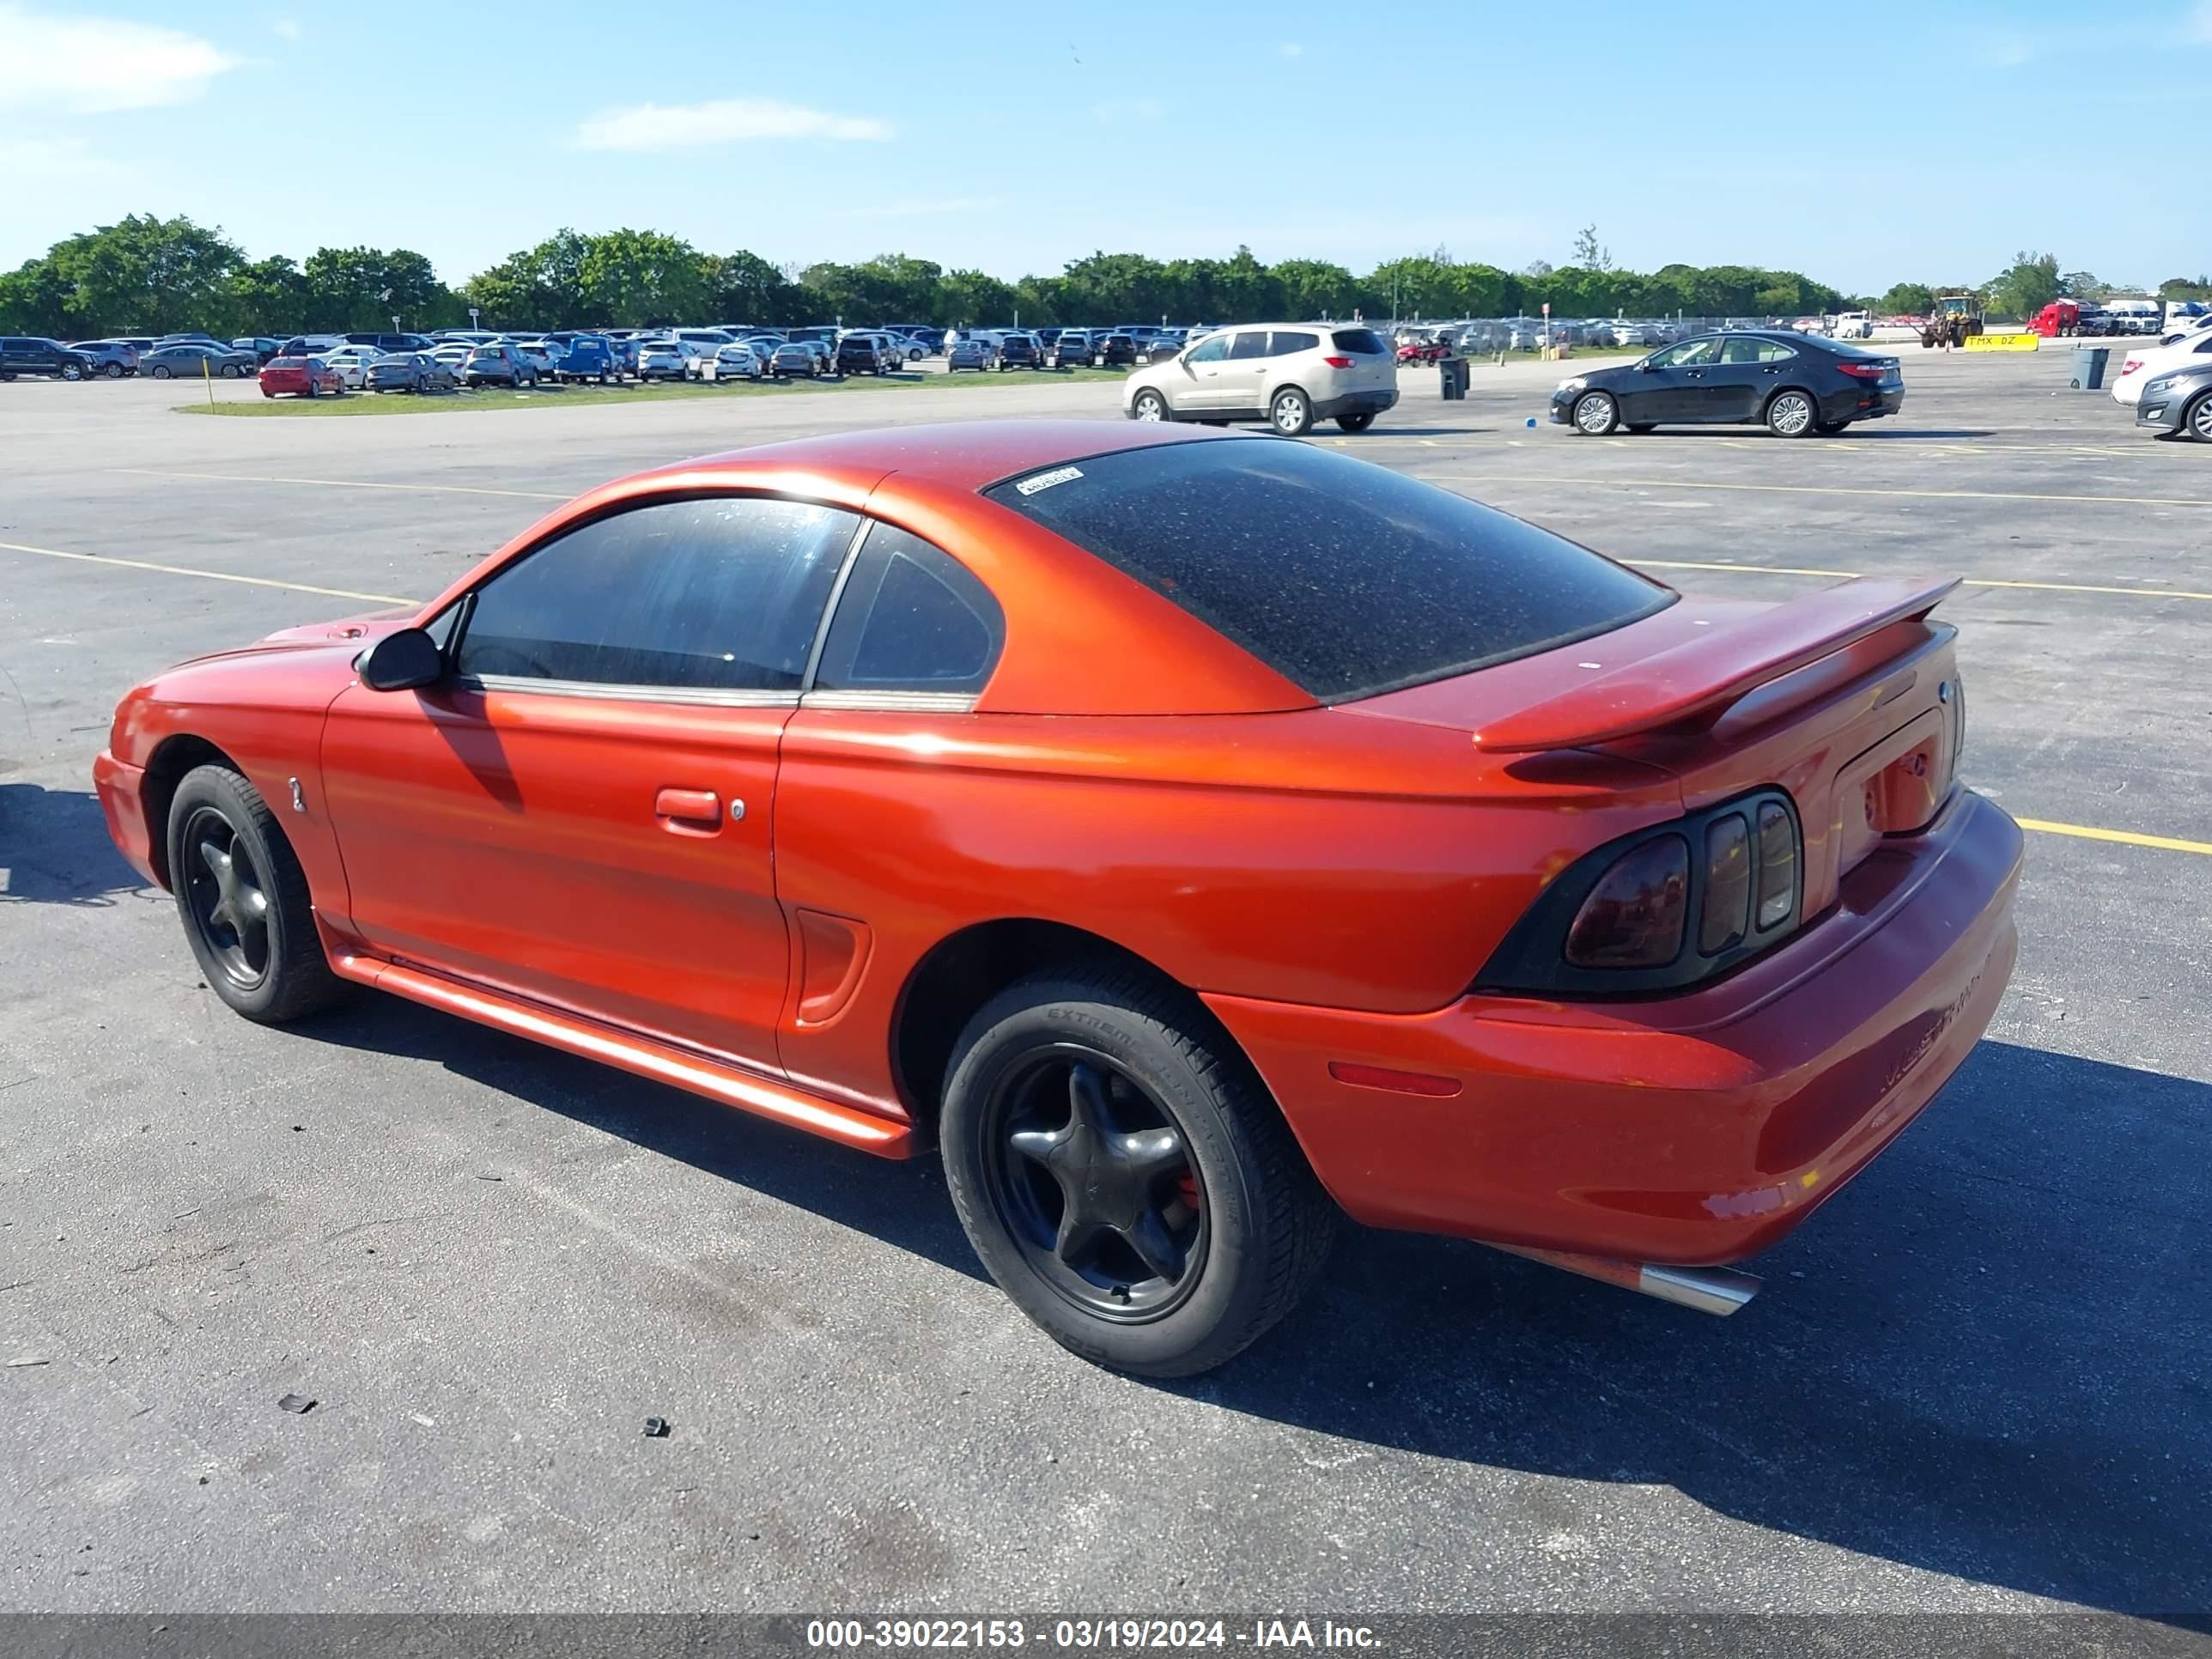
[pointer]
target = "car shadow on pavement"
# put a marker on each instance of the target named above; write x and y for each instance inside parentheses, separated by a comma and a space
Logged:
(1988, 1357)
(1860, 432)
(903, 1203)
(54, 849)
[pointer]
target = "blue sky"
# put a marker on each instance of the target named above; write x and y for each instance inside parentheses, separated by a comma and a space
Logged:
(974, 135)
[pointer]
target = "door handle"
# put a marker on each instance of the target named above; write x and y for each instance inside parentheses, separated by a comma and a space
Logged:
(691, 810)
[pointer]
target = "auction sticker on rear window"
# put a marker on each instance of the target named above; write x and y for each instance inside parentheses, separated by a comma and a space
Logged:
(1058, 475)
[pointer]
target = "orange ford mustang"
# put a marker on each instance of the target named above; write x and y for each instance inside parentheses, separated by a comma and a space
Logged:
(1193, 836)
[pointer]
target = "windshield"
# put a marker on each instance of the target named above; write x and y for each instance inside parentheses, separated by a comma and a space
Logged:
(1345, 577)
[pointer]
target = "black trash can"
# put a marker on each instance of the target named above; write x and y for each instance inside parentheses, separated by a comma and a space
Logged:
(2089, 367)
(1452, 377)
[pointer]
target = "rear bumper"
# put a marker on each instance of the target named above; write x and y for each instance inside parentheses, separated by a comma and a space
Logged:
(1355, 402)
(122, 789)
(1696, 1129)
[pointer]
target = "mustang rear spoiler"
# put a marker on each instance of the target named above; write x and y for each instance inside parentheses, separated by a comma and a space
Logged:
(1697, 680)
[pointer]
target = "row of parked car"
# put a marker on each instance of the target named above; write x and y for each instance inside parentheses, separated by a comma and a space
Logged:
(459, 357)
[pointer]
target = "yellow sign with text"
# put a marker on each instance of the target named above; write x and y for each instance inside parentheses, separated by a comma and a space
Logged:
(2004, 342)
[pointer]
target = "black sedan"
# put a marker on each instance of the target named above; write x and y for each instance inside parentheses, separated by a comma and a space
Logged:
(1793, 384)
(2176, 401)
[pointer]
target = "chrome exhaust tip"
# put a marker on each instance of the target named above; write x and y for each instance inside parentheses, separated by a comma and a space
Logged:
(1716, 1290)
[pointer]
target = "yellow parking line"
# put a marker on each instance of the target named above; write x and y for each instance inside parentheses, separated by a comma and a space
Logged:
(211, 576)
(2127, 837)
(1969, 581)
(1849, 489)
(347, 483)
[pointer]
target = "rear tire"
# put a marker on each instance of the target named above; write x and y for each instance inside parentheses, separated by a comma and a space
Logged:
(1290, 412)
(227, 855)
(1355, 423)
(1216, 1192)
(1792, 414)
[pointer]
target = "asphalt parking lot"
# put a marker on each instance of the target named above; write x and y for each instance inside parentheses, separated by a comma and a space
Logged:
(1977, 1381)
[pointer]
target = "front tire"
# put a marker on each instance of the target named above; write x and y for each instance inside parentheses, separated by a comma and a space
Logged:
(1790, 414)
(1355, 423)
(1150, 406)
(1123, 1176)
(2196, 421)
(1291, 413)
(243, 900)
(1596, 413)
(113, 371)
(162, 372)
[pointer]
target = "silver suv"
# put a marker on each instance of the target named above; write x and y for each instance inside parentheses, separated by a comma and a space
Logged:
(1288, 374)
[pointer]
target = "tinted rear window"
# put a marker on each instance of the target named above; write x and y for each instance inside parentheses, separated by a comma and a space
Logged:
(1345, 577)
(1362, 342)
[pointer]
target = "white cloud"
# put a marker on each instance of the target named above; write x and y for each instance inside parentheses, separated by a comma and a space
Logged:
(727, 121)
(93, 64)
(1292, 49)
(287, 28)
(1114, 110)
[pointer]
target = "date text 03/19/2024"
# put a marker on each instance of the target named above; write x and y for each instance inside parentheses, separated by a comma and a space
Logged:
(1109, 1635)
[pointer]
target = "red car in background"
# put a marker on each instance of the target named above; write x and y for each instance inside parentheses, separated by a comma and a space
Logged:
(305, 377)
(1194, 836)
(1422, 351)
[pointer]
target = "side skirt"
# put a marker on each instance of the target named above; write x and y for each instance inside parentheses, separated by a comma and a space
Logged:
(747, 1092)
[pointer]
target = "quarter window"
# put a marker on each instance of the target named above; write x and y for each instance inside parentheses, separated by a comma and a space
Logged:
(1750, 348)
(910, 618)
(720, 593)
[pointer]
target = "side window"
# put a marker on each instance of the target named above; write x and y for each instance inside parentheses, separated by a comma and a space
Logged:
(1253, 344)
(1210, 351)
(721, 593)
(1748, 348)
(1282, 341)
(911, 618)
(1690, 354)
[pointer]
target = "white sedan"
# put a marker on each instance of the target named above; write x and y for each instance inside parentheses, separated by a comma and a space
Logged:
(352, 364)
(2142, 362)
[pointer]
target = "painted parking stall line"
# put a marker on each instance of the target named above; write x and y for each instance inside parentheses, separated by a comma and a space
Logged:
(348, 484)
(204, 575)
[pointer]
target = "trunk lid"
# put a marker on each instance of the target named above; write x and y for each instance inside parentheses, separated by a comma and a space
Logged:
(1849, 699)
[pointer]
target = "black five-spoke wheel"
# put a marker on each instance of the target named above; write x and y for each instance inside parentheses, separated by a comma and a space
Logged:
(244, 899)
(226, 898)
(1095, 1179)
(1122, 1173)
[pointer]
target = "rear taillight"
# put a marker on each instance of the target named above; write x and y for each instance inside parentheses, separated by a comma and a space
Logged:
(1863, 371)
(2130, 365)
(1724, 917)
(1337, 362)
(1634, 916)
(1777, 868)
(1617, 921)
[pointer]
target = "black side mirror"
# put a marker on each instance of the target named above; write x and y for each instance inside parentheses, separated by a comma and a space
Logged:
(401, 662)
(1646, 367)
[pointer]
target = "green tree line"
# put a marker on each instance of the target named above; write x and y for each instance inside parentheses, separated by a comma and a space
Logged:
(148, 274)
